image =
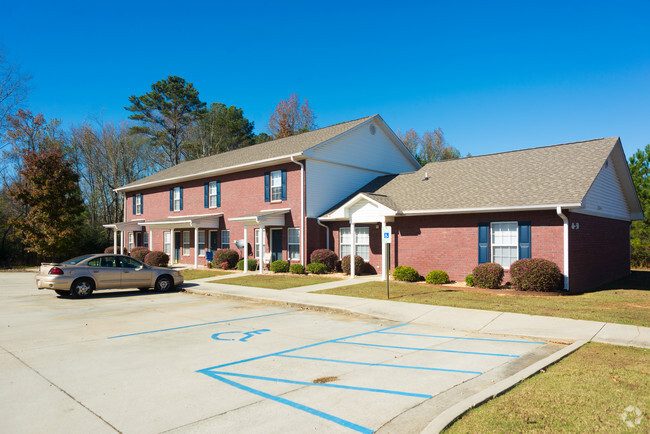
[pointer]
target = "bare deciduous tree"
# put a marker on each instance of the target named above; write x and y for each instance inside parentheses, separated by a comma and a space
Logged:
(13, 89)
(291, 117)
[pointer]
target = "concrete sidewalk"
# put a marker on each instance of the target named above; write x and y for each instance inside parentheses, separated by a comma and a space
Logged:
(484, 321)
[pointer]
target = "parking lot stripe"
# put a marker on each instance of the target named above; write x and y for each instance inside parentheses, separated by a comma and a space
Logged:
(293, 404)
(337, 386)
(427, 349)
(425, 368)
(137, 310)
(465, 338)
(199, 325)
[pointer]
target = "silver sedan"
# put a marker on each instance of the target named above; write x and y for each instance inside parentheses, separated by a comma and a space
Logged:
(80, 276)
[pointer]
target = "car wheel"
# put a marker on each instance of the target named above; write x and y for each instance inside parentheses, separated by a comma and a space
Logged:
(164, 284)
(82, 288)
(62, 293)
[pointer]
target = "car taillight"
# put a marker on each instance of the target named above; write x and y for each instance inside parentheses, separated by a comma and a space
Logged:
(55, 270)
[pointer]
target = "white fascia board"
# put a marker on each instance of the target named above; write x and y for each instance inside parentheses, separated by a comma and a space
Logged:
(271, 213)
(491, 209)
(355, 199)
(229, 169)
(310, 151)
(625, 177)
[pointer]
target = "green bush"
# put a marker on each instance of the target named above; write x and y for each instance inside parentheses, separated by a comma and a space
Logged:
(252, 264)
(229, 256)
(406, 274)
(316, 268)
(279, 266)
(358, 265)
(157, 258)
(139, 253)
(325, 256)
(109, 249)
(488, 275)
(437, 277)
(469, 280)
(535, 274)
(296, 269)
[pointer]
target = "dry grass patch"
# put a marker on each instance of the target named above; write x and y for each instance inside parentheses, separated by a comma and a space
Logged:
(587, 391)
(277, 281)
(625, 302)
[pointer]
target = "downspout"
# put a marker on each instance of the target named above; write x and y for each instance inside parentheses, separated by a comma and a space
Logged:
(327, 228)
(302, 210)
(566, 246)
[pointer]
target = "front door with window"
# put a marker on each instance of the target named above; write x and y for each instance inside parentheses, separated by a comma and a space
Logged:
(177, 246)
(276, 244)
(214, 240)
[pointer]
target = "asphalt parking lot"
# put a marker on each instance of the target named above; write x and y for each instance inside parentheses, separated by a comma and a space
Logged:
(131, 361)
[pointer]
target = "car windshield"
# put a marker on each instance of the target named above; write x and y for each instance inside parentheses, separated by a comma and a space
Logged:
(75, 261)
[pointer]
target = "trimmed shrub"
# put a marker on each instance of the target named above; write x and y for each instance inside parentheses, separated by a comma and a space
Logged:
(469, 280)
(279, 266)
(358, 264)
(406, 274)
(229, 256)
(139, 253)
(437, 277)
(252, 264)
(316, 268)
(325, 256)
(157, 258)
(297, 269)
(488, 275)
(535, 274)
(109, 249)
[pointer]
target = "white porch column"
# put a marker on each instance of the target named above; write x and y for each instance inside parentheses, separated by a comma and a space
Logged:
(353, 249)
(384, 271)
(245, 249)
(114, 240)
(151, 240)
(122, 234)
(196, 247)
(171, 244)
(262, 250)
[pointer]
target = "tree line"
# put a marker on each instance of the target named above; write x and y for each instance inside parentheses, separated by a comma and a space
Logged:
(58, 183)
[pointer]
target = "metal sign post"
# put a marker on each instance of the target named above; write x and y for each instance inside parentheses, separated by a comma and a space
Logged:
(386, 238)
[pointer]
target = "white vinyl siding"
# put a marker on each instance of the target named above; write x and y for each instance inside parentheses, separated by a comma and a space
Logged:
(276, 185)
(225, 239)
(362, 242)
(186, 243)
(293, 244)
(201, 243)
(167, 243)
(504, 243)
(212, 194)
(606, 197)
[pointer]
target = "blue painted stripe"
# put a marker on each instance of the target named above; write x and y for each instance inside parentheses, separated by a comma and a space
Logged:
(458, 337)
(279, 353)
(429, 349)
(382, 364)
(336, 386)
(199, 325)
(326, 416)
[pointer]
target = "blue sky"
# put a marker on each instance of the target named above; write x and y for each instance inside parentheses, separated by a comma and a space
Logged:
(495, 76)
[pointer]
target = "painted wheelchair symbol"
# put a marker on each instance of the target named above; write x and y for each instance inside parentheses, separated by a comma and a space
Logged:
(247, 335)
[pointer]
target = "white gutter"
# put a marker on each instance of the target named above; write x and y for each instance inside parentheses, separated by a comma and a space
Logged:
(327, 228)
(302, 210)
(566, 246)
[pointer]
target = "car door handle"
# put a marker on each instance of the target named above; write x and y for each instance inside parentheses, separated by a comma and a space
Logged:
(95, 271)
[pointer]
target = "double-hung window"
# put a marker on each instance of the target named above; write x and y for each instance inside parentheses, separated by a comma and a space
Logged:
(294, 244)
(138, 204)
(131, 243)
(212, 194)
(145, 239)
(257, 243)
(225, 239)
(276, 185)
(504, 243)
(201, 243)
(167, 242)
(177, 199)
(362, 242)
(186, 243)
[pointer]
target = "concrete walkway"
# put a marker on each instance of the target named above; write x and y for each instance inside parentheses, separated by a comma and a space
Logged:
(484, 321)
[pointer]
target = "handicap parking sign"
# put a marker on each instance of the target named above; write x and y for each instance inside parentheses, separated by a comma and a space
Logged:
(386, 234)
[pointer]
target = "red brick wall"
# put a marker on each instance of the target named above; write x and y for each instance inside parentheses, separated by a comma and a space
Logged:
(242, 193)
(599, 251)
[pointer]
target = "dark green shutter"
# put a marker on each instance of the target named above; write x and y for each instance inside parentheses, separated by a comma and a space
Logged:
(142, 204)
(267, 195)
(218, 193)
(284, 184)
(134, 204)
(483, 243)
(524, 240)
(206, 203)
(171, 199)
(181, 188)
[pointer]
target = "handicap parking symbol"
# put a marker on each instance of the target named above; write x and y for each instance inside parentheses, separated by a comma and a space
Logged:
(246, 335)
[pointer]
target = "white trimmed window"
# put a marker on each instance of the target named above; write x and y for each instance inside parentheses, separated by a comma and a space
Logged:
(276, 185)
(293, 244)
(504, 245)
(177, 198)
(225, 239)
(257, 243)
(138, 204)
(167, 242)
(186, 243)
(131, 243)
(201, 243)
(362, 242)
(212, 194)
(145, 239)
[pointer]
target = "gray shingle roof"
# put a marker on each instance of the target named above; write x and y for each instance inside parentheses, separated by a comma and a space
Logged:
(249, 155)
(559, 174)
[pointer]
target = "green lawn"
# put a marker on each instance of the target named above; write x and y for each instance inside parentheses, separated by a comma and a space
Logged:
(625, 302)
(277, 281)
(587, 391)
(201, 274)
